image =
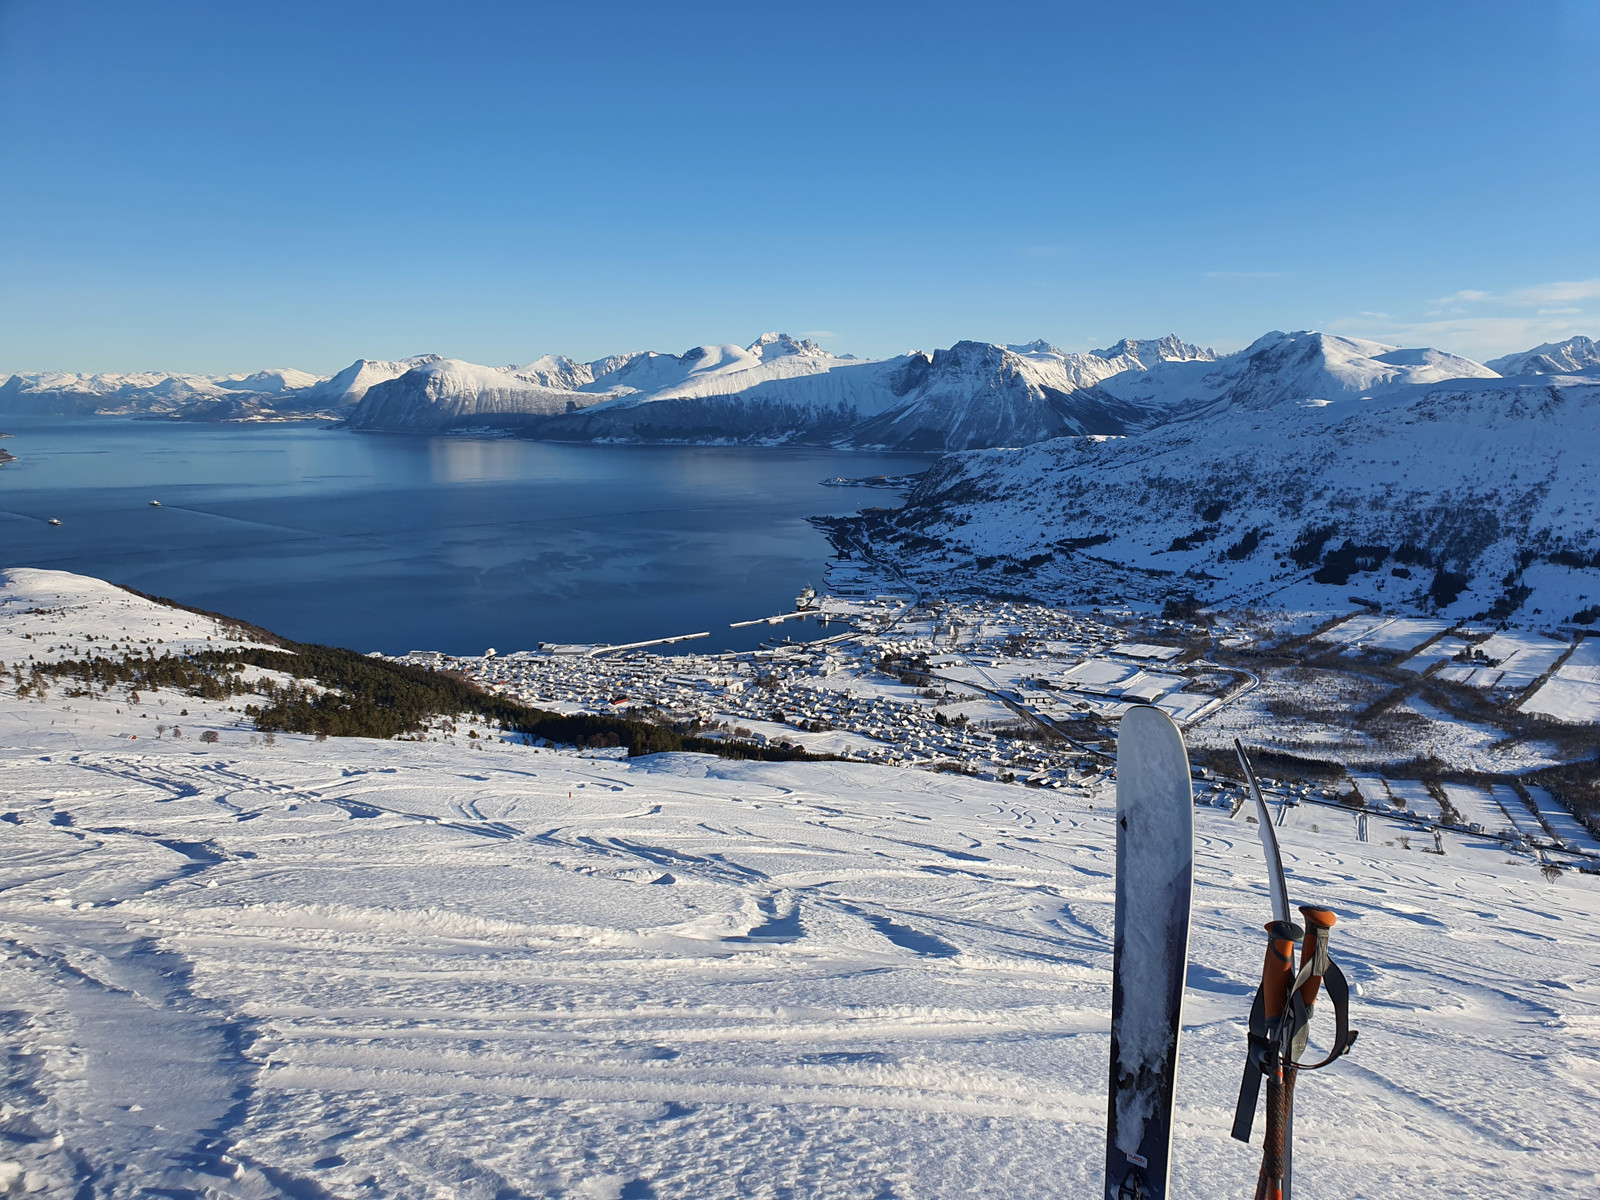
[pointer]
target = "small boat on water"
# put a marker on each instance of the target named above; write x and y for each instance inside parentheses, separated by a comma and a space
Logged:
(53, 521)
(155, 504)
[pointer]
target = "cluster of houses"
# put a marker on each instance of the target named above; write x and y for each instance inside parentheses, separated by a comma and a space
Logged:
(1001, 690)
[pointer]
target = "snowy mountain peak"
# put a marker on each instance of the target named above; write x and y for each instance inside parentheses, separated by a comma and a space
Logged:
(1574, 356)
(351, 384)
(773, 345)
(1150, 351)
(1305, 365)
(281, 379)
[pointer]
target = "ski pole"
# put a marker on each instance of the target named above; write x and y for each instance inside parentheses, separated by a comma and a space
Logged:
(1277, 974)
(1297, 1020)
(1313, 955)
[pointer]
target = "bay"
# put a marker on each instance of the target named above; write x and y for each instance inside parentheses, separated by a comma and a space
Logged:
(454, 543)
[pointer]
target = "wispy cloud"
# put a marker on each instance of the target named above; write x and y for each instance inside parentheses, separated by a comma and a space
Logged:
(1557, 293)
(1246, 274)
(1569, 292)
(1482, 324)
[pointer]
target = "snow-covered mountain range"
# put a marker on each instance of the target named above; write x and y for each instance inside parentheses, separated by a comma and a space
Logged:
(1307, 470)
(781, 389)
(1575, 355)
(274, 392)
(1298, 470)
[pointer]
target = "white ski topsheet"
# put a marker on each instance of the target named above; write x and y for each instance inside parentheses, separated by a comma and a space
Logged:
(1155, 808)
(687, 977)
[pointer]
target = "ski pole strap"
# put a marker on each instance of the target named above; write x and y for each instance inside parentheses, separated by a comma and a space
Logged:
(1244, 1112)
(1294, 1009)
(1313, 966)
(1266, 1020)
(1338, 989)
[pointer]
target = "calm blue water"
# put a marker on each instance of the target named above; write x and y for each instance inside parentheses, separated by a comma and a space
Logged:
(395, 543)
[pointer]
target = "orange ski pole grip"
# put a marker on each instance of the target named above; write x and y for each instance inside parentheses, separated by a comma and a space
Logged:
(1314, 951)
(1277, 971)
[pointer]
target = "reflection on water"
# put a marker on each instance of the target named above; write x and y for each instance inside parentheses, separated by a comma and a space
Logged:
(453, 543)
(472, 460)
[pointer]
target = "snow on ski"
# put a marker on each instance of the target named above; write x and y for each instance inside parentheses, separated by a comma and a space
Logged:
(1155, 874)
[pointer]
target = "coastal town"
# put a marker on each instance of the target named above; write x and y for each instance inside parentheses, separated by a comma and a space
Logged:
(1026, 694)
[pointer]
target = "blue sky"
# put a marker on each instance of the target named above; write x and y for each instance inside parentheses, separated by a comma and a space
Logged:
(219, 186)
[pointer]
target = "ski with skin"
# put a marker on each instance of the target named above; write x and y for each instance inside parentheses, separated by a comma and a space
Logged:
(1155, 877)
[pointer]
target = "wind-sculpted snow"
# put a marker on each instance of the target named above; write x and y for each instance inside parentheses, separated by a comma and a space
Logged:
(1470, 497)
(415, 970)
(412, 969)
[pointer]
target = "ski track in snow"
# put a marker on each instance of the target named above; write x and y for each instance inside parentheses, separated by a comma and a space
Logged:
(356, 968)
(394, 969)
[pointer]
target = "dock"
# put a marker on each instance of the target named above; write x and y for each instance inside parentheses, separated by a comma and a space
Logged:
(777, 620)
(597, 651)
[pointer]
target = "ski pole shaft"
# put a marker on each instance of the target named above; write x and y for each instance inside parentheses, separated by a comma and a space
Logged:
(1280, 1095)
(1277, 973)
(1313, 965)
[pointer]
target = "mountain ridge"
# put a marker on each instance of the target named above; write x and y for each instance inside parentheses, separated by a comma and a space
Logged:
(785, 390)
(1470, 497)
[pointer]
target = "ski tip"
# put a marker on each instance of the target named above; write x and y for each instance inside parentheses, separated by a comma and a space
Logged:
(1146, 720)
(1152, 761)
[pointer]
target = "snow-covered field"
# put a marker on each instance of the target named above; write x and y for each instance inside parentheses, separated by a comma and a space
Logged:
(358, 968)
(1573, 692)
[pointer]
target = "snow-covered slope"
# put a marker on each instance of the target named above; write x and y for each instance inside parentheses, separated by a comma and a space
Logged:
(1472, 496)
(448, 392)
(411, 969)
(66, 392)
(777, 389)
(1574, 356)
(976, 394)
(1287, 367)
(274, 381)
(346, 389)
(783, 389)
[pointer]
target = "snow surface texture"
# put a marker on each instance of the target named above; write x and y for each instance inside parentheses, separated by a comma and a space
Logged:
(1475, 496)
(413, 970)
